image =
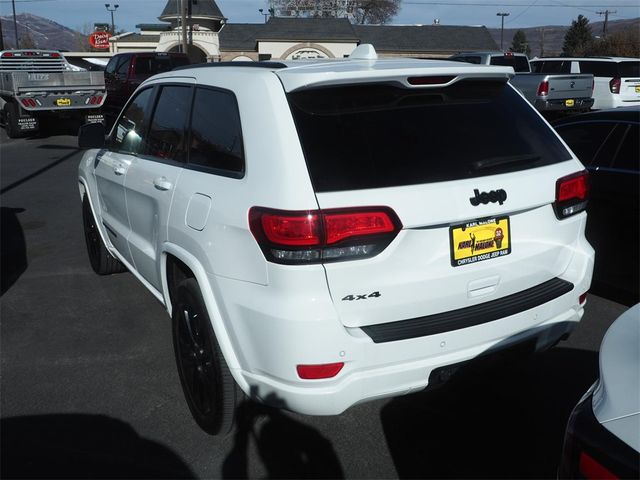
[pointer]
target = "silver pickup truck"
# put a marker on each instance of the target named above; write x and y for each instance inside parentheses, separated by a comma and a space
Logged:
(42, 82)
(546, 92)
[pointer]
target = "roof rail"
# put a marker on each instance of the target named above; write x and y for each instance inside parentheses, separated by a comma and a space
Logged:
(262, 64)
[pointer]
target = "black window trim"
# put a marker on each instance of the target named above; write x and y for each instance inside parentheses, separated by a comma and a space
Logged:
(212, 170)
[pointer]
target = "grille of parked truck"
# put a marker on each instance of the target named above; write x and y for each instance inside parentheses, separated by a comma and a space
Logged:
(34, 83)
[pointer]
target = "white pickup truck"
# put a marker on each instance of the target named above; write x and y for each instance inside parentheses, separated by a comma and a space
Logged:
(546, 92)
(41, 82)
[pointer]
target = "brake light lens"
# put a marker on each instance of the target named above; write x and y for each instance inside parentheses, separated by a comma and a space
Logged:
(7, 55)
(543, 89)
(572, 194)
(55, 55)
(592, 470)
(317, 372)
(320, 236)
(442, 80)
(614, 85)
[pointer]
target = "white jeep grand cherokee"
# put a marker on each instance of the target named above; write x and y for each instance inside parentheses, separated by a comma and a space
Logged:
(328, 233)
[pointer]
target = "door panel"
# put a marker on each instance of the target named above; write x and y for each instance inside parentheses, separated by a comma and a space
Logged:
(152, 178)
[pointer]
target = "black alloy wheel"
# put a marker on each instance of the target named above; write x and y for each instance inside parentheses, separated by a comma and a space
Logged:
(209, 388)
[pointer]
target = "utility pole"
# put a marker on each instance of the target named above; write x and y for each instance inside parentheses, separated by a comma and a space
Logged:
(183, 14)
(542, 42)
(1, 37)
(606, 19)
(15, 23)
(502, 15)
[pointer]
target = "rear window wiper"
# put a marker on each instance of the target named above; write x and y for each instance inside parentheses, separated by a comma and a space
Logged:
(499, 161)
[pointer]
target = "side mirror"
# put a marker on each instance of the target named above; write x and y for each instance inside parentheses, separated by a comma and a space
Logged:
(92, 135)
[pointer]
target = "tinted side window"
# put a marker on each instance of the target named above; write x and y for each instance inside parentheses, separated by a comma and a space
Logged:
(128, 134)
(111, 66)
(143, 66)
(586, 140)
(123, 66)
(628, 157)
(599, 69)
(216, 133)
(166, 137)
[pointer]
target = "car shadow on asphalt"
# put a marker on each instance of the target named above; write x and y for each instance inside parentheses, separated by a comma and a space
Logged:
(13, 248)
(287, 448)
(82, 446)
(506, 421)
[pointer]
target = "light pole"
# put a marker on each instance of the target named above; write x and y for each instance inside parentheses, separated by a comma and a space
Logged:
(115, 7)
(265, 14)
(15, 23)
(502, 14)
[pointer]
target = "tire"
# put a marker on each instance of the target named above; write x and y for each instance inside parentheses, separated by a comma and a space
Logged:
(11, 114)
(102, 262)
(209, 388)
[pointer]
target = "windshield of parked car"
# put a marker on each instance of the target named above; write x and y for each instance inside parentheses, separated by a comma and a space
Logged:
(381, 135)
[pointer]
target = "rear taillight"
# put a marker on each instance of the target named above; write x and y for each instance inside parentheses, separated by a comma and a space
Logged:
(7, 55)
(614, 85)
(572, 194)
(321, 236)
(543, 89)
(591, 469)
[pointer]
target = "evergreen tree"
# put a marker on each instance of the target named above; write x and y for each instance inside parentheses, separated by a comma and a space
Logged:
(520, 44)
(578, 38)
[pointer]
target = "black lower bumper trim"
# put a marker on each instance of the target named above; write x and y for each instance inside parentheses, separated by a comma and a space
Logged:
(469, 316)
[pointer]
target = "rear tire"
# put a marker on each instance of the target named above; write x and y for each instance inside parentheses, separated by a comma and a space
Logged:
(209, 388)
(102, 262)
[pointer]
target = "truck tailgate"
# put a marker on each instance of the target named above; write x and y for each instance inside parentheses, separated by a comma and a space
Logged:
(570, 86)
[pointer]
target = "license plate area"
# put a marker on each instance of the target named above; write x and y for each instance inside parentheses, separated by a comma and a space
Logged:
(63, 102)
(637, 88)
(570, 102)
(479, 240)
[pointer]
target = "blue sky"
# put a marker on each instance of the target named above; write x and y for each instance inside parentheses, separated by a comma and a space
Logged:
(79, 14)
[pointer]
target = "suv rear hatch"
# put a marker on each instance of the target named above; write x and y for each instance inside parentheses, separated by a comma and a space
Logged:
(442, 158)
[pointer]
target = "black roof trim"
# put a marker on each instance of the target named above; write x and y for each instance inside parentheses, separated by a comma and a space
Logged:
(263, 64)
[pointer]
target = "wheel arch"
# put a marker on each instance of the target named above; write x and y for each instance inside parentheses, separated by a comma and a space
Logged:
(85, 192)
(177, 263)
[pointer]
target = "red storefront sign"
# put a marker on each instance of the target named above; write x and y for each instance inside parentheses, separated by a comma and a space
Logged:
(100, 40)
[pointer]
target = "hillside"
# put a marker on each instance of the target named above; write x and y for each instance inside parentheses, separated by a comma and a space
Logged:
(42, 32)
(554, 35)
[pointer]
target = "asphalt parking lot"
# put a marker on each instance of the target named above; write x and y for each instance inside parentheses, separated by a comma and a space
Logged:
(89, 386)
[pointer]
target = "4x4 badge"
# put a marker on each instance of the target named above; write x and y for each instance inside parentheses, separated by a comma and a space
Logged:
(493, 196)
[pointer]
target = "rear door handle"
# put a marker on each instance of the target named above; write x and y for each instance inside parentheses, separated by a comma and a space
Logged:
(161, 183)
(119, 170)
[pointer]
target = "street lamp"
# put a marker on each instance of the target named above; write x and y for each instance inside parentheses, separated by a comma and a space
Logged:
(265, 14)
(115, 7)
(500, 14)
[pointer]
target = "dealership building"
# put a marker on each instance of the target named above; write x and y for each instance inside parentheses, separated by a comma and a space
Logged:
(212, 38)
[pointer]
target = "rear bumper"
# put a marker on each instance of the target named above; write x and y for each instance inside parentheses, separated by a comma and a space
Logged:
(543, 105)
(270, 337)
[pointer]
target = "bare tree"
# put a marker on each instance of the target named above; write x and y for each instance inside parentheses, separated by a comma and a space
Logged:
(376, 11)
(358, 11)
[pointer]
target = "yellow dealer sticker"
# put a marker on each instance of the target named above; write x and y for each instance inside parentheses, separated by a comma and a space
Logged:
(479, 240)
(63, 102)
(570, 102)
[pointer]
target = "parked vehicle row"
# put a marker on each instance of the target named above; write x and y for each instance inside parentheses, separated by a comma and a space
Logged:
(342, 251)
(546, 92)
(34, 83)
(617, 79)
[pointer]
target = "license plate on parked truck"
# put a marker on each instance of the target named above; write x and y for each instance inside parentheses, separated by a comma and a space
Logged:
(63, 102)
(479, 240)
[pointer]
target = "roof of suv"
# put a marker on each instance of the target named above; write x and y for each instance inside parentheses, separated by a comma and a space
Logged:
(295, 74)
(595, 59)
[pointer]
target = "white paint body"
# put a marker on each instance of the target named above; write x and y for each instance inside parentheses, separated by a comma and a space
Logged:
(268, 317)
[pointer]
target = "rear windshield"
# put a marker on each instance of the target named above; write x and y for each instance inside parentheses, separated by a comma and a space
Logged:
(519, 63)
(379, 135)
(551, 66)
(611, 69)
(153, 65)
